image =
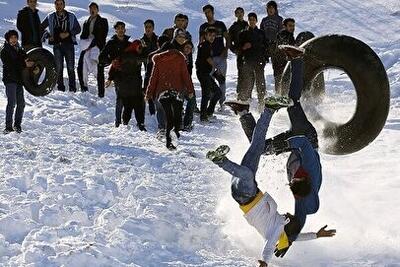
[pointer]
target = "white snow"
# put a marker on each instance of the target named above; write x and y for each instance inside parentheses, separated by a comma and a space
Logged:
(75, 191)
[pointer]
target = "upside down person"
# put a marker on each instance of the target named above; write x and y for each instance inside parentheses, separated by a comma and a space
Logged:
(260, 209)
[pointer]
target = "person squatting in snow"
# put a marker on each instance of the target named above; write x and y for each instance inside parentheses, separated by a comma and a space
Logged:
(303, 166)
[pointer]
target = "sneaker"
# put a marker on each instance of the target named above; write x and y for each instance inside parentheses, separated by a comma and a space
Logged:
(292, 52)
(219, 154)
(170, 146)
(8, 130)
(117, 124)
(277, 102)
(18, 129)
(238, 105)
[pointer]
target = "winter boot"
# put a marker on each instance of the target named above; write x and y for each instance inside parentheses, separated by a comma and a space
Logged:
(8, 130)
(238, 106)
(219, 154)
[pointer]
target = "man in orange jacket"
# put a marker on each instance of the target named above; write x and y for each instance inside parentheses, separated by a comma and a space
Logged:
(169, 81)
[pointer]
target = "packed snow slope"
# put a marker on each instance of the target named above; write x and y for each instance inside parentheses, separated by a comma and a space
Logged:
(75, 191)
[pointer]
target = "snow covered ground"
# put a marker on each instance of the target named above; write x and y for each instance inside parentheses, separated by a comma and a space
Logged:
(75, 191)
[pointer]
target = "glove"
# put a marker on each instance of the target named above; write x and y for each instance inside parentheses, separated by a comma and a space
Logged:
(281, 252)
(152, 108)
(280, 146)
(268, 149)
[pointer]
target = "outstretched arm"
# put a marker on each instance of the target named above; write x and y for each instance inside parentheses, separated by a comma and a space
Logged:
(321, 233)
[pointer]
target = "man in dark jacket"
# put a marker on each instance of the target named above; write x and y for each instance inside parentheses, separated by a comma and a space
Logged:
(149, 40)
(284, 37)
(95, 28)
(28, 23)
(110, 53)
(126, 74)
(234, 31)
(63, 27)
(252, 50)
(13, 58)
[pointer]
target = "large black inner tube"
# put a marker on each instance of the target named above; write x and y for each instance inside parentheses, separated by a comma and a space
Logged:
(44, 61)
(369, 78)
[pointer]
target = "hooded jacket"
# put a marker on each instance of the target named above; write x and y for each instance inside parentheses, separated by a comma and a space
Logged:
(13, 59)
(28, 23)
(169, 73)
(307, 157)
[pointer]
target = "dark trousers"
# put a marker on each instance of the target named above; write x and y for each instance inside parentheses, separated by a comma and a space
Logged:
(119, 106)
(130, 104)
(190, 107)
(252, 73)
(173, 111)
(67, 51)
(100, 76)
(15, 97)
(298, 119)
(210, 94)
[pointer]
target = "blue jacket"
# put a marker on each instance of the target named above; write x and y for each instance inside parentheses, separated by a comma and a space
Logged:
(74, 27)
(306, 156)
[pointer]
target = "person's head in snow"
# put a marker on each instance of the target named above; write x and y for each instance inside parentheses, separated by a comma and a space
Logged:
(93, 9)
(252, 17)
(210, 34)
(208, 11)
(11, 37)
(239, 13)
(290, 25)
(149, 27)
(120, 30)
(272, 8)
(60, 6)
(180, 36)
(32, 4)
(179, 21)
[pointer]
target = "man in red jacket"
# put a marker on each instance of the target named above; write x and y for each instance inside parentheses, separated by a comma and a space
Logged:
(169, 81)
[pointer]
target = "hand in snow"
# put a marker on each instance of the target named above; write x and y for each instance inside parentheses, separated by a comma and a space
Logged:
(262, 263)
(325, 233)
(246, 46)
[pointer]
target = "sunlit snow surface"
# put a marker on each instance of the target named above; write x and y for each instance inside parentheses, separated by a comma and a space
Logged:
(75, 191)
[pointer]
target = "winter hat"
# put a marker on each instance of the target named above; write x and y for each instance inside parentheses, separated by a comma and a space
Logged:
(10, 33)
(178, 32)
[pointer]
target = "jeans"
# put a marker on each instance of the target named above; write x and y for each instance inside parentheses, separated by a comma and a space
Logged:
(100, 76)
(243, 185)
(252, 73)
(173, 111)
(161, 117)
(67, 51)
(190, 107)
(15, 97)
(300, 125)
(210, 94)
(221, 64)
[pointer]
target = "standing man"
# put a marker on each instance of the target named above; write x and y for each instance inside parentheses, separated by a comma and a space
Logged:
(219, 49)
(237, 27)
(28, 23)
(95, 30)
(63, 26)
(179, 23)
(252, 51)
(284, 37)
(149, 40)
(110, 54)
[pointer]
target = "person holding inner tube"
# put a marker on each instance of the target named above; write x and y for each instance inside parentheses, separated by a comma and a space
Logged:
(14, 61)
(303, 165)
(260, 209)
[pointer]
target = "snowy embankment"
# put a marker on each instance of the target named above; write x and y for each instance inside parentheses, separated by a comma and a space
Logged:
(75, 191)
